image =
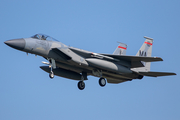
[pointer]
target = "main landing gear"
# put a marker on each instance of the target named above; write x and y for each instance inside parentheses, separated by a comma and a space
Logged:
(102, 82)
(81, 84)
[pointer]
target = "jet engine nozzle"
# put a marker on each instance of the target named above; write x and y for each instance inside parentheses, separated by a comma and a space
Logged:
(18, 44)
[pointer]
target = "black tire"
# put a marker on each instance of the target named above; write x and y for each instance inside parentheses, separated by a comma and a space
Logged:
(51, 75)
(102, 82)
(81, 85)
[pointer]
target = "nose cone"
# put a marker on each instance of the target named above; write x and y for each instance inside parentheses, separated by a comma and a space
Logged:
(16, 43)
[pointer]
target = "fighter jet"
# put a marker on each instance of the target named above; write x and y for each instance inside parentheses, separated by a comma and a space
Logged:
(78, 64)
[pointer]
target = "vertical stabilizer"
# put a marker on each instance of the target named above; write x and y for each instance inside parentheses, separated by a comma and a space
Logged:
(145, 51)
(121, 49)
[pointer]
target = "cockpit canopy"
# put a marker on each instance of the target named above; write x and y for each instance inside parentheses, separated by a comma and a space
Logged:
(43, 37)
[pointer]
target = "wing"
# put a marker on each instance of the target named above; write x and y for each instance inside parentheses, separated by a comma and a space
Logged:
(134, 61)
(156, 74)
(129, 61)
(135, 58)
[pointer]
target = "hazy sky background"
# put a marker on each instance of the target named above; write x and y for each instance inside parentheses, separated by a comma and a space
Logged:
(27, 92)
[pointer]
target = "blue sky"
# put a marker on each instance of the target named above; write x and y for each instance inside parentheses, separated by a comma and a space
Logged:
(26, 92)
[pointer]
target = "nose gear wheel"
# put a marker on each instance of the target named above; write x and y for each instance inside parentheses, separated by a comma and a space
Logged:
(51, 75)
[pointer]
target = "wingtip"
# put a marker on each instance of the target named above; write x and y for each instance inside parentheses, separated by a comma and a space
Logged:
(160, 59)
(174, 74)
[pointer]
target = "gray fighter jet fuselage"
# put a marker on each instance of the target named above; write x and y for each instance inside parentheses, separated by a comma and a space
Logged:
(77, 64)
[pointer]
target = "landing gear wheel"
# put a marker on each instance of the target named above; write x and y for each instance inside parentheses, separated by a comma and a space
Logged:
(102, 82)
(51, 75)
(81, 85)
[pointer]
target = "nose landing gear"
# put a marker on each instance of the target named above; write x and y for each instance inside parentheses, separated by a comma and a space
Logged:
(52, 65)
(51, 75)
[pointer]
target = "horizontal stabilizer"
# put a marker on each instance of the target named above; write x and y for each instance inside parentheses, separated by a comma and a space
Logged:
(156, 74)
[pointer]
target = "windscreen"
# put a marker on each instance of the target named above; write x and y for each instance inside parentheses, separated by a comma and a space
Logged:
(43, 37)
